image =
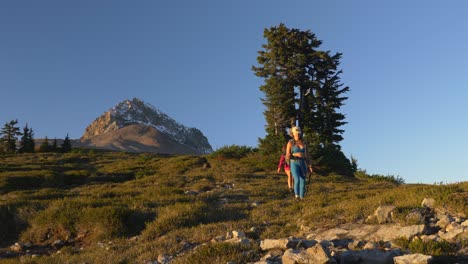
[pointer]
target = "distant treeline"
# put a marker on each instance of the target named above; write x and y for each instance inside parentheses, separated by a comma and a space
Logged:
(12, 140)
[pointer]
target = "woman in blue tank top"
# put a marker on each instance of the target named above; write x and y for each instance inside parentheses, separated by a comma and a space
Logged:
(299, 161)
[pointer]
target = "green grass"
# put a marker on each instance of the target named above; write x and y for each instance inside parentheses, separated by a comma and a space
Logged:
(170, 202)
(433, 248)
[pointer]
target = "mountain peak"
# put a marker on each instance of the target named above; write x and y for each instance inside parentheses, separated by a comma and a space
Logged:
(137, 112)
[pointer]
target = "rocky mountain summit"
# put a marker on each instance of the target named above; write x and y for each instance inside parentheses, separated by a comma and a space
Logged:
(135, 126)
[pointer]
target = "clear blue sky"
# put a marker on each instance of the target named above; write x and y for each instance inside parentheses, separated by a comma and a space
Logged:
(63, 63)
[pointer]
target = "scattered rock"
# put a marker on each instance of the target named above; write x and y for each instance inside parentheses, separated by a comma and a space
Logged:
(236, 237)
(206, 165)
(191, 192)
(273, 257)
(358, 232)
(465, 223)
(416, 216)
(391, 232)
(268, 244)
(218, 239)
(412, 259)
(452, 226)
(428, 202)
(164, 258)
(320, 255)
(444, 221)
(371, 245)
(355, 245)
(17, 247)
(293, 256)
(238, 234)
(305, 243)
(133, 239)
(58, 243)
(454, 232)
(383, 214)
(428, 238)
(285, 243)
(369, 256)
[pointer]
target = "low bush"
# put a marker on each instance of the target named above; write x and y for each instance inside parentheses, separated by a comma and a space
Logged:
(23, 180)
(232, 152)
(363, 175)
(220, 253)
(66, 219)
(434, 248)
(174, 217)
(7, 224)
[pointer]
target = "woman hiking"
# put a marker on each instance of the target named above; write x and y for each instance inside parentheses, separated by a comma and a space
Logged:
(283, 164)
(297, 153)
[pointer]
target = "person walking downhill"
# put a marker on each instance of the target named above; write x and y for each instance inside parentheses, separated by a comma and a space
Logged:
(298, 155)
(283, 164)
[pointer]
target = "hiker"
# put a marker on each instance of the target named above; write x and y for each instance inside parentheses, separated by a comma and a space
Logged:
(283, 164)
(298, 155)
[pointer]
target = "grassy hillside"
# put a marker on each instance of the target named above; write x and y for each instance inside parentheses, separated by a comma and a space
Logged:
(111, 207)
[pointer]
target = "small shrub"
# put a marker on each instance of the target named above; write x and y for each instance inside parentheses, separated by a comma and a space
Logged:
(434, 248)
(105, 222)
(219, 253)
(23, 180)
(363, 175)
(7, 226)
(175, 216)
(232, 152)
(66, 219)
(255, 162)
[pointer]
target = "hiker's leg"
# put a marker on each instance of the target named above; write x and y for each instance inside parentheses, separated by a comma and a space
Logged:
(290, 180)
(302, 186)
(296, 171)
(302, 179)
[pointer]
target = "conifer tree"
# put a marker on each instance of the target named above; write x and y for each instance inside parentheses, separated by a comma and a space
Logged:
(8, 136)
(31, 146)
(66, 145)
(45, 146)
(54, 148)
(24, 141)
(302, 86)
(324, 101)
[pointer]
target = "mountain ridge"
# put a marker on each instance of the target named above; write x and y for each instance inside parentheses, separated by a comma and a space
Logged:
(176, 138)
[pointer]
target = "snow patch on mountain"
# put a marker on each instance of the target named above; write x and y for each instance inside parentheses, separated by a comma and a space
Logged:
(136, 111)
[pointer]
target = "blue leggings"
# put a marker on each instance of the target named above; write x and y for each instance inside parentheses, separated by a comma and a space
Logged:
(299, 172)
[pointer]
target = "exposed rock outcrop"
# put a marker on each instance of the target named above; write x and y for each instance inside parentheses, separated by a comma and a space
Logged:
(135, 126)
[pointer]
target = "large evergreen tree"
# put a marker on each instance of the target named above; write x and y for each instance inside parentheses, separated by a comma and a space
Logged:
(54, 146)
(45, 146)
(25, 145)
(66, 145)
(8, 136)
(302, 86)
(31, 144)
(324, 101)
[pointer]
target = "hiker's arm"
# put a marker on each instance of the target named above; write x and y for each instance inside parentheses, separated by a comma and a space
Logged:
(308, 159)
(288, 150)
(281, 163)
